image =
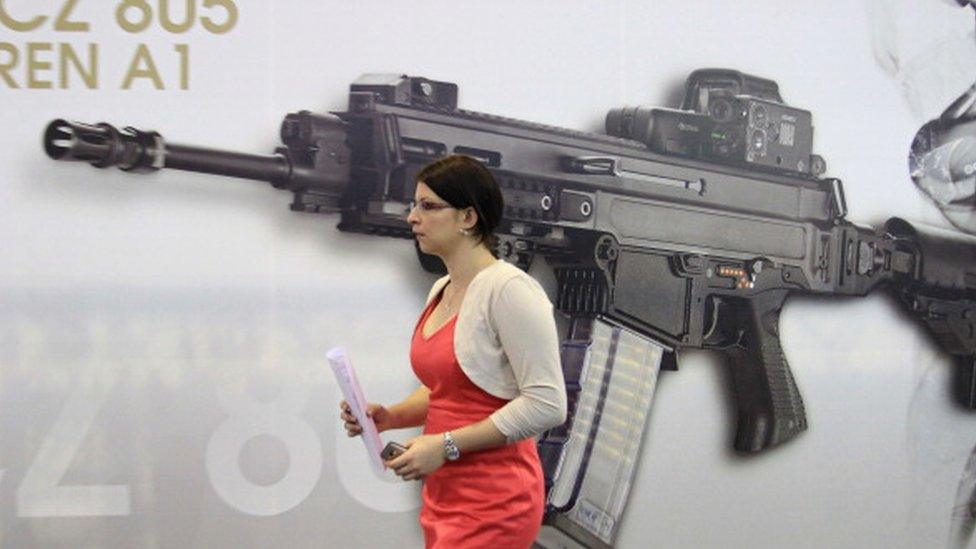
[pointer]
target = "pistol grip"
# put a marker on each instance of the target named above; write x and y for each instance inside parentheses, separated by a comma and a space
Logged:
(768, 403)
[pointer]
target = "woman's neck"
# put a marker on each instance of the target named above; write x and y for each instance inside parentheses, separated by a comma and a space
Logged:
(466, 262)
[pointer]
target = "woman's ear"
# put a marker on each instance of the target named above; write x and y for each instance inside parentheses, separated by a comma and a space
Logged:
(470, 218)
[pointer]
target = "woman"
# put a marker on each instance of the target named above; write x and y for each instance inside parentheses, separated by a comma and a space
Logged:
(486, 352)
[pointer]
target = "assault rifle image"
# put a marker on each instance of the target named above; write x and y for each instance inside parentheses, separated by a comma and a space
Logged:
(683, 229)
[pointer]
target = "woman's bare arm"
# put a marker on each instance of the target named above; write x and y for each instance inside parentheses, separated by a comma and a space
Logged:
(410, 412)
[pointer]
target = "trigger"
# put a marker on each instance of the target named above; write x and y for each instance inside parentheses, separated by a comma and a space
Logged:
(714, 313)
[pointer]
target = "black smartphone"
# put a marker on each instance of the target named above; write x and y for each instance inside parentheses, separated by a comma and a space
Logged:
(392, 450)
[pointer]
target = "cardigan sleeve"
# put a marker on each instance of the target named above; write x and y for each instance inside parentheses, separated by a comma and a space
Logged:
(521, 315)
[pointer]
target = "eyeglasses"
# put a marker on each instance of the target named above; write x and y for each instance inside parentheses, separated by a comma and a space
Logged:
(427, 206)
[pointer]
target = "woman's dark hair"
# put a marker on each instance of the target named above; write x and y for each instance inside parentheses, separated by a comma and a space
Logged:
(463, 182)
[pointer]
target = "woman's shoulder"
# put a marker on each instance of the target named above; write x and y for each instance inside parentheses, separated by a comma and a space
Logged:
(501, 275)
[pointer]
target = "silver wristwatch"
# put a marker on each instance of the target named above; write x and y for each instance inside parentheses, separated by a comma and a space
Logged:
(451, 451)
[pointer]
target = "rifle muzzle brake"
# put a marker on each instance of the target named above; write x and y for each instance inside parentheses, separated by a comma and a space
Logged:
(103, 145)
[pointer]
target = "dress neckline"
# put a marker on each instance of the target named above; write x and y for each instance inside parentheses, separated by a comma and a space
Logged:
(430, 311)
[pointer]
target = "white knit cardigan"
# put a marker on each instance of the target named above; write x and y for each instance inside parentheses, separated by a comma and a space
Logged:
(505, 342)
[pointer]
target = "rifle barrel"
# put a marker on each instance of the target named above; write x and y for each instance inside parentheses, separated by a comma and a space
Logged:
(234, 164)
(103, 145)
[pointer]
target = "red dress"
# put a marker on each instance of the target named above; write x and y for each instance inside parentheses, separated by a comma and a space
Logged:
(491, 498)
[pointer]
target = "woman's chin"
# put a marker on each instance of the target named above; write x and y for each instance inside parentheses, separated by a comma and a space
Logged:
(423, 245)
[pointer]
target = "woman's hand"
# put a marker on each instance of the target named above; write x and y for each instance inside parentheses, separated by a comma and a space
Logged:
(424, 455)
(381, 417)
